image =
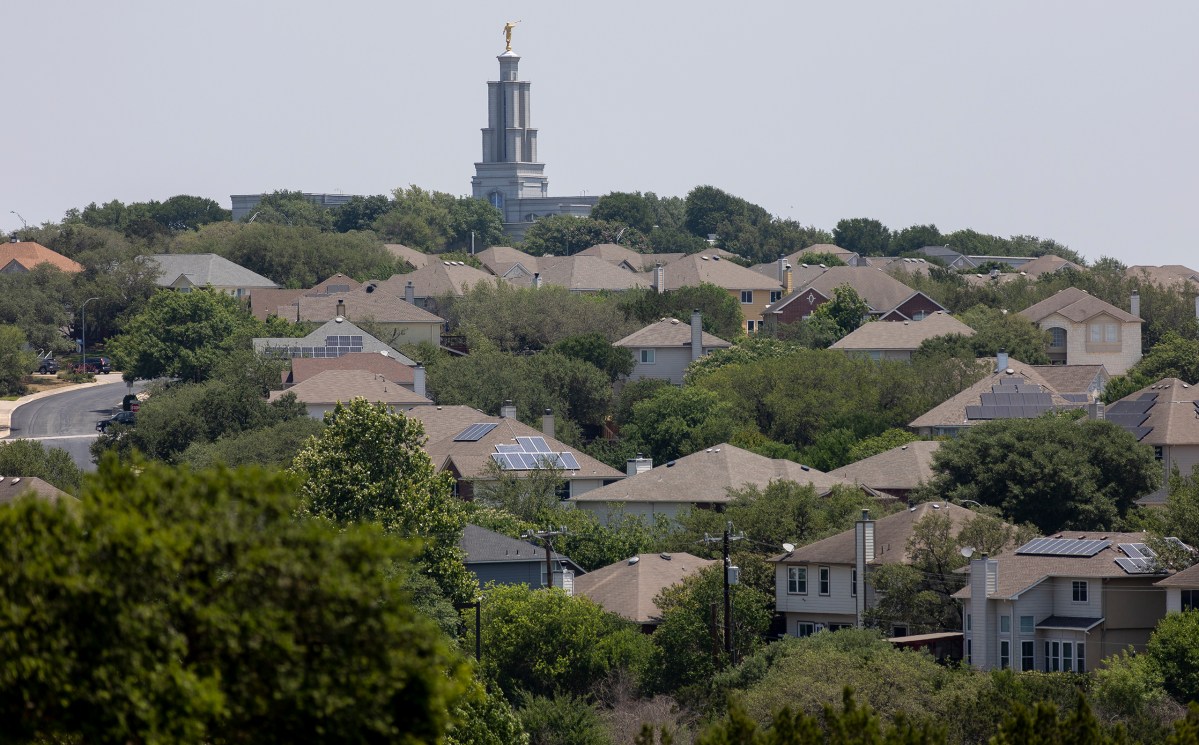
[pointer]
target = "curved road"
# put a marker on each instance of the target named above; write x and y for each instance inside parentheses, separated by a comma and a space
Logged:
(68, 420)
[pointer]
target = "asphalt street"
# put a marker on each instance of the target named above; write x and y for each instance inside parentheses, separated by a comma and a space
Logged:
(68, 420)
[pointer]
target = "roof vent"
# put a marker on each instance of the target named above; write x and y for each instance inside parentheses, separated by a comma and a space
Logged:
(705, 258)
(903, 447)
(339, 319)
(802, 467)
(670, 464)
(665, 556)
(16, 480)
(446, 263)
(1010, 371)
(715, 258)
(633, 560)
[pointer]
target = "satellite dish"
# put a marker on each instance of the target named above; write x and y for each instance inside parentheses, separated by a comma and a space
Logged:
(967, 551)
(788, 547)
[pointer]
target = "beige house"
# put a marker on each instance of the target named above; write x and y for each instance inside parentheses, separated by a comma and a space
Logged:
(627, 258)
(437, 279)
(895, 472)
(303, 368)
(508, 262)
(663, 350)
(1182, 590)
(322, 392)
(897, 340)
(628, 588)
(186, 272)
(1060, 603)
(396, 322)
(1164, 415)
(583, 274)
(823, 585)
(752, 290)
(701, 480)
(1084, 330)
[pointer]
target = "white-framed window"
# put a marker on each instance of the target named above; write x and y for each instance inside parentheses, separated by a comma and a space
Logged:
(967, 621)
(853, 582)
(1005, 624)
(1103, 333)
(1111, 333)
(747, 297)
(797, 580)
(1005, 654)
(750, 326)
(776, 295)
(1027, 625)
(1065, 656)
(805, 628)
(1027, 655)
(919, 315)
(1080, 657)
(647, 356)
(826, 583)
(1078, 590)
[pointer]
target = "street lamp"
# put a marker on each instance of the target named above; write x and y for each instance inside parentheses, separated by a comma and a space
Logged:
(83, 329)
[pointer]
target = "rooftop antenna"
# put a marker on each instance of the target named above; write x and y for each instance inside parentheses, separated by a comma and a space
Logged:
(18, 214)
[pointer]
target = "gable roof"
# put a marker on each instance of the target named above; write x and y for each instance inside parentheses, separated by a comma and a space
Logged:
(364, 304)
(500, 260)
(956, 411)
(12, 487)
(31, 253)
(332, 386)
(707, 476)
(1047, 264)
(416, 259)
(205, 269)
(1188, 577)
(1073, 378)
(891, 534)
(882, 292)
(1165, 275)
(443, 423)
(901, 335)
(901, 468)
(628, 588)
(305, 346)
(893, 264)
(1076, 305)
(436, 279)
(1021, 572)
(668, 332)
(1163, 413)
(267, 301)
(584, 274)
(710, 268)
(303, 368)
(483, 546)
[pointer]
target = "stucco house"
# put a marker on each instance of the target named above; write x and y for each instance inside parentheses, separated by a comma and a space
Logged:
(1084, 330)
(664, 349)
(1061, 603)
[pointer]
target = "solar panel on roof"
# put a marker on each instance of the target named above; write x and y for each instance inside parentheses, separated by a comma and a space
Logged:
(1062, 547)
(502, 448)
(568, 460)
(534, 444)
(475, 432)
(1137, 550)
(1137, 566)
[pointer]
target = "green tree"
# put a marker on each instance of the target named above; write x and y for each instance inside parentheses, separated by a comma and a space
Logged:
(1041, 725)
(1175, 356)
(212, 616)
(995, 330)
(562, 720)
(474, 216)
(32, 459)
(1053, 472)
(866, 236)
(888, 440)
(1174, 649)
(359, 213)
(292, 208)
(270, 445)
(565, 235)
(625, 208)
(182, 335)
(368, 466)
(679, 421)
(720, 312)
(15, 362)
(847, 309)
(594, 348)
(913, 238)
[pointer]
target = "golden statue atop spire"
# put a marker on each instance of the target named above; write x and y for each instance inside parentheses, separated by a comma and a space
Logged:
(508, 35)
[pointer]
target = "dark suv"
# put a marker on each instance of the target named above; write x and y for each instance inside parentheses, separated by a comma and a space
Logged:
(93, 365)
(47, 366)
(128, 418)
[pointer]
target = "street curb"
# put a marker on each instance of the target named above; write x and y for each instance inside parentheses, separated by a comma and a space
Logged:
(8, 407)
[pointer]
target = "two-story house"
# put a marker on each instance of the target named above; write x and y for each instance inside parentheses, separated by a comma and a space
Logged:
(1164, 415)
(823, 585)
(887, 298)
(753, 291)
(186, 272)
(1084, 330)
(664, 349)
(1182, 590)
(1061, 603)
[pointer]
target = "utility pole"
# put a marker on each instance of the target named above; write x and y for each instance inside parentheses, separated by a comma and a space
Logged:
(729, 579)
(545, 536)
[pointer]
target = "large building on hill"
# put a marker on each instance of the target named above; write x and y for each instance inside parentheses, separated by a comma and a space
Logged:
(509, 176)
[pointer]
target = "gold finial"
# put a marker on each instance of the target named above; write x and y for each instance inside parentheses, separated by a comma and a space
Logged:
(508, 35)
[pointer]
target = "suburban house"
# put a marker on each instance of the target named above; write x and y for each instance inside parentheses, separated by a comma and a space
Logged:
(1167, 275)
(303, 368)
(701, 480)
(507, 262)
(898, 340)
(663, 350)
(823, 585)
(888, 299)
(394, 320)
(627, 258)
(185, 272)
(1164, 415)
(851, 258)
(333, 339)
(495, 558)
(956, 260)
(416, 259)
(16, 487)
(265, 302)
(1075, 380)
(468, 443)
(322, 392)
(628, 588)
(437, 279)
(583, 274)
(1182, 590)
(1084, 330)
(18, 257)
(754, 291)
(895, 472)
(900, 265)
(1061, 603)
(1012, 390)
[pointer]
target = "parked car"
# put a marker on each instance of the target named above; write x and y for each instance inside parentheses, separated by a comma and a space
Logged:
(128, 418)
(47, 366)
(92, 365)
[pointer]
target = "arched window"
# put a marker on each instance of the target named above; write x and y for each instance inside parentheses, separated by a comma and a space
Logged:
(1057, 338)
(497, 199)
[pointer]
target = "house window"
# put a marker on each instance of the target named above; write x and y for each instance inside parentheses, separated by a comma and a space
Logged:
(1067, 656)
(797, 581)
(747, 297)
(1103, 333)
(749, 326)
(776, 295)
(899, 630)
(1158, 453)
(967, 621)
(1190, 599)
(1027, 625)
(1053, 660)
(1005, 654)
(1080, 660)
(805, 628)
(647, 356)
(1057, 338)
(853, 582)
(1027, 652)
(919, 315)
(1079, 590)
(968, 645)
(1005, 624)
(825, 581)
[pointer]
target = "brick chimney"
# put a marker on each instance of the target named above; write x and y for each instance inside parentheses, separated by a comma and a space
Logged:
(547, 423)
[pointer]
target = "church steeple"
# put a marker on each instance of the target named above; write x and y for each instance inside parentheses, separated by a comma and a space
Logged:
(508, 137)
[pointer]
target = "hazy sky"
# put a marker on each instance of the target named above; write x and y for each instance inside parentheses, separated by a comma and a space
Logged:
(1069, 120)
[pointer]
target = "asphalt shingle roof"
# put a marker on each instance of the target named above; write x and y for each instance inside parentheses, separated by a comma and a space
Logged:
(668, 332)
(901, 468)
(363, 304)
(952, 413)
(331, 386)
(12, 487)
(317, 338)
(1077, 305)
(880, 290)
(303, 368)
(902, 335)
(628, 588)
(483, 546)
(31, 253)
(206, 269)
(707, 267)
(437, 279)
(584, 274)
